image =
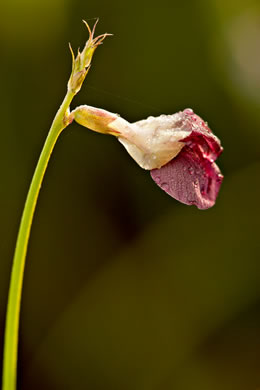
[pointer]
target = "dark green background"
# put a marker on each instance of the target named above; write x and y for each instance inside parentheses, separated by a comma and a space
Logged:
(125, 288)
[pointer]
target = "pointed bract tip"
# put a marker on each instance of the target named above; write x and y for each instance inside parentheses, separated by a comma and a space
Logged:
(87, 25)
(72, 53)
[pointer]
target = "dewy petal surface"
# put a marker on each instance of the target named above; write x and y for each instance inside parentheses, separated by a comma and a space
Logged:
(155, 141)
(192, 177)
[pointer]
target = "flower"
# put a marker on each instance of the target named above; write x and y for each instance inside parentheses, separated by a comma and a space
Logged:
(192, 177)
(179, 150)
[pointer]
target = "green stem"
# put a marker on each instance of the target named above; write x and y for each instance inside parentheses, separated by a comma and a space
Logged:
(15, 290)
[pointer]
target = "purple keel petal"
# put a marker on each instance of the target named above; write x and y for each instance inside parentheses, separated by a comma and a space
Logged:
(192, 177)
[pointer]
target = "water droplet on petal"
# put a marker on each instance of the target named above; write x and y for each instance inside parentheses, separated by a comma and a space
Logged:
(188, 111)
(157, 179)
(165, 186)
(219, 178)
(191, 170)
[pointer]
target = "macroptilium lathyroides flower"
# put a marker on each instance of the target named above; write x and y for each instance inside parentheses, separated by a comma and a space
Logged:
(179, 150)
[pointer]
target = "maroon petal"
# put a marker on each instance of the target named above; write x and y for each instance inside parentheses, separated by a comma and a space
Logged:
(192, 177)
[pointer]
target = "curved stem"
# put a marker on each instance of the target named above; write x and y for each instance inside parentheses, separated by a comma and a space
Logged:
(15, 290)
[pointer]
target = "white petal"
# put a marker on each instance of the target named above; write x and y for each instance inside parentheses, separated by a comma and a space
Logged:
(155, 141)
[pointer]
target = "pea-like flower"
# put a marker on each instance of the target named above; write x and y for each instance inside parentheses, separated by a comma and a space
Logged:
(179, 150)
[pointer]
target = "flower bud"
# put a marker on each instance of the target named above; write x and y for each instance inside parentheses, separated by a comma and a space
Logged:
(81, 64)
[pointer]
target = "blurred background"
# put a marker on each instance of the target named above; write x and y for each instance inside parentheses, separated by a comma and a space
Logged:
(125, 288)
